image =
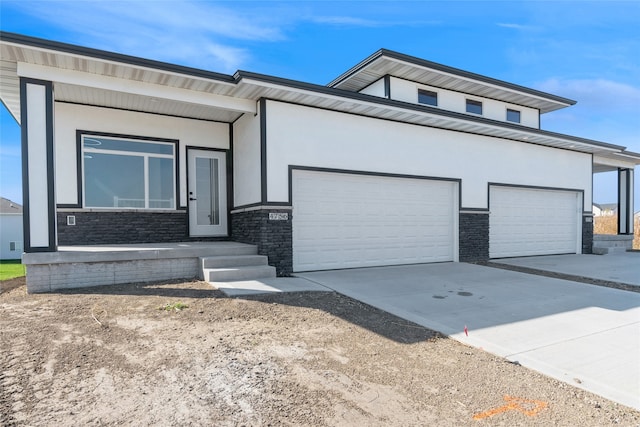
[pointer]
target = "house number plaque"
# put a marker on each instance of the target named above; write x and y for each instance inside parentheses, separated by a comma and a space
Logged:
(278, 216)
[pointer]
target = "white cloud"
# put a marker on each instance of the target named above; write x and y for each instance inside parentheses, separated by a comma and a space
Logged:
(346, 21)
(598, 93)
(520, 27)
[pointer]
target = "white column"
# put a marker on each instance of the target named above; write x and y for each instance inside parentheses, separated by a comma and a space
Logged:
(36, 99)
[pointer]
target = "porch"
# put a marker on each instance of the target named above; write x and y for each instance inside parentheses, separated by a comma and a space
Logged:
(98, 265)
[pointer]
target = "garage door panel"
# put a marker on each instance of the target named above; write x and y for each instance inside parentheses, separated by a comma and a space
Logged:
(527, 222)
(343, 220)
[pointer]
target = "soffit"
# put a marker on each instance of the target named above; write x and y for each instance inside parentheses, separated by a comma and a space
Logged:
(371, 70)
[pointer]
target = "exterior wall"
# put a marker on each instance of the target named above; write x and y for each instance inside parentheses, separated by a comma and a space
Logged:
(306, 136)
(407, 91)
(271, 236)
(10, 231)
(71, 117)
(375, 88)
(246, 160)
(51, 277)
(474, 236)
(587, 234)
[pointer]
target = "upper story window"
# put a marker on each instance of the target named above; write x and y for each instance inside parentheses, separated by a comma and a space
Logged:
(513, 115)
(474, 107)
(427, 97)
(125, 173)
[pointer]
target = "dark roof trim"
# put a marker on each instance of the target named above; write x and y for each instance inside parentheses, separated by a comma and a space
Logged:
(111, 56)
(416, 107)
(451, 70)
(239, 75)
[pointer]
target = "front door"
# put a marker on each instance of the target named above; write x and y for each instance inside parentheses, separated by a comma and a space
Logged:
(207, 193)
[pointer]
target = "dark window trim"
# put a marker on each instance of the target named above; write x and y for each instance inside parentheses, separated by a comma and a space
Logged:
(51, 202)
(511, 110)
(469, 103)
(430, 94)
(80, 172)
(263, 150)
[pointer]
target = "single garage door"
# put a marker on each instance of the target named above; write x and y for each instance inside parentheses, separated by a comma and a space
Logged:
(526, 222)
(343, 220)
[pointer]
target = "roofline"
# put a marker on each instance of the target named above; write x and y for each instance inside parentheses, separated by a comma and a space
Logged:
(240, 75)
(326, 90)
(451, 70)
(111, 56)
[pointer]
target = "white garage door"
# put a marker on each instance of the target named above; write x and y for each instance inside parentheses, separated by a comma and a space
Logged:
(349, 220)
(526, 222)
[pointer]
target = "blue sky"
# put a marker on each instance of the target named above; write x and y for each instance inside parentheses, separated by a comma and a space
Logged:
(587, 51)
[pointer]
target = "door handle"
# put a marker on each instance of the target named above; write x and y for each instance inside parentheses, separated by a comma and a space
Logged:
(193, 199)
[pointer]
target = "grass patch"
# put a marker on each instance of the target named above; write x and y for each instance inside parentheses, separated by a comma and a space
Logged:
(174, 306)
(11, 268)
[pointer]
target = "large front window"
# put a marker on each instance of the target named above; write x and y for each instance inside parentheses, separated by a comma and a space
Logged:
(124, 173)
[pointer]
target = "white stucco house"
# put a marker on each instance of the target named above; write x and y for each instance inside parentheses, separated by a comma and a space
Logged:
(10, 229)
(399, 160)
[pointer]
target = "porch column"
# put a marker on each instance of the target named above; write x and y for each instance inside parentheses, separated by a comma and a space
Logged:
(38, 179)
(625, 201)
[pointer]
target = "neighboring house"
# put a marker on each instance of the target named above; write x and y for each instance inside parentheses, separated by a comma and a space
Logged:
(10, 229)
(605, 209)
(399, 160)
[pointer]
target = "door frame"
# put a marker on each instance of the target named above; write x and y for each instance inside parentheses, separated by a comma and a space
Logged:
(229, 189)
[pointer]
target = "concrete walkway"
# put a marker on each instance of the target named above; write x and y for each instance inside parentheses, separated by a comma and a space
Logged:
(622, 267)
(585, 335)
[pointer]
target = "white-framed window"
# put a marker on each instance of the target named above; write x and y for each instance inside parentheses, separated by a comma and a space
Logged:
(128, 173)
(427, 97)
(513, 115)
(474, 106)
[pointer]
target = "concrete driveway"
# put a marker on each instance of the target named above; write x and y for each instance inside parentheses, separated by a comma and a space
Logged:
(622, 268)
(585, 335)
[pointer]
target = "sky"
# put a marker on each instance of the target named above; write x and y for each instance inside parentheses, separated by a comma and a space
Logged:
(582, 50)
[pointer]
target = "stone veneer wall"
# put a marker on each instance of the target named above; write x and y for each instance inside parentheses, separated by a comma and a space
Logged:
(474, 236)
(271, 236)
(587, 234)
(110, 228)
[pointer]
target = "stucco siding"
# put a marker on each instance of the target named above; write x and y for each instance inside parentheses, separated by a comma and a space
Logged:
(246, 160)
(71, 117)
(320, 138)
(407, 91)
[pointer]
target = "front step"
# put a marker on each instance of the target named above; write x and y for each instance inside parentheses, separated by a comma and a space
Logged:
(235, 274)
(231, 268)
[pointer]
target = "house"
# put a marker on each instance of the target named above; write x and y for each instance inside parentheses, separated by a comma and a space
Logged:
(605, 209)
(10, 229)
(399, 160)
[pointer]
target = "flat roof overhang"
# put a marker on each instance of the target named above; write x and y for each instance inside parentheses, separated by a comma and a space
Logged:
(386, 62)
(84, 76)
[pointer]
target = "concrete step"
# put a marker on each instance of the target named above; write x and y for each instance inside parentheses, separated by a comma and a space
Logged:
(228, 249)
(234, 274)
(233, 261)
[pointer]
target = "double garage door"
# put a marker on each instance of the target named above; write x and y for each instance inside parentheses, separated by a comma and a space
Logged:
(345, 220)
(528, 221)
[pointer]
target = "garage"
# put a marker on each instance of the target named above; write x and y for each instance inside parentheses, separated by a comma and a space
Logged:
(531, 221)
(349, 220)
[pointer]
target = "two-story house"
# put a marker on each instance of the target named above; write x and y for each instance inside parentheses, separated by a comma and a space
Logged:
(397, 161)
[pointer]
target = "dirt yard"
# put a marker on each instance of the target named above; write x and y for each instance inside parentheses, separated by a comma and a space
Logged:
(112, 356)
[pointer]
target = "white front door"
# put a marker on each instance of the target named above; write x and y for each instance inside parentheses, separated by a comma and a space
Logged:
(207, 193)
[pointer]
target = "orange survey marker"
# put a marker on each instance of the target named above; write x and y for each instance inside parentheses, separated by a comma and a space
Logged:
(526, 406)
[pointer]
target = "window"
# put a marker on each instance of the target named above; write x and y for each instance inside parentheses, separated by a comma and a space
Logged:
(474, 107)
(123, 173)
(513, 115)
(427, 97)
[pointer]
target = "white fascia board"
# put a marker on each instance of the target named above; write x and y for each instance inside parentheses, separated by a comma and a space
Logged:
(78, 78)
(619, 161)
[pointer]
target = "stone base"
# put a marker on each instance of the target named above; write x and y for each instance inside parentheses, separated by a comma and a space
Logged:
(611, 243)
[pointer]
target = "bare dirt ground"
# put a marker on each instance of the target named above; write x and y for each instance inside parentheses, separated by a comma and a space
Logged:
(111, 356)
